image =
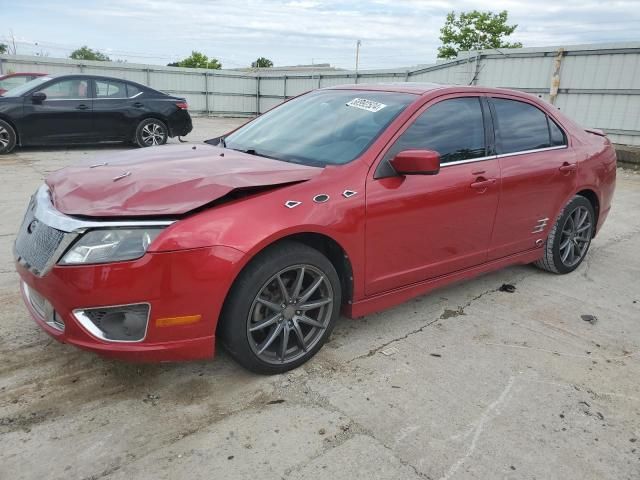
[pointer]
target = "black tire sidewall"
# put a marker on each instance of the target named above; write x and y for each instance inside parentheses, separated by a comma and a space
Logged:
(577, 201)
(232, 329)
(12, 138)
(138, 138)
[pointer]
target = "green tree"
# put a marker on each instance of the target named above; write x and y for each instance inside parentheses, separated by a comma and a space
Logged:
(198, 60)
(85, 53)
(475, 31)
(262, 62)
(4, 48)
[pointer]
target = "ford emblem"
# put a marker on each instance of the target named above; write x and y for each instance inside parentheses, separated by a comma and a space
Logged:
(32, 226)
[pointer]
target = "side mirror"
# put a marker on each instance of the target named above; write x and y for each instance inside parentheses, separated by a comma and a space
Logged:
(416, 162)
(38, 97)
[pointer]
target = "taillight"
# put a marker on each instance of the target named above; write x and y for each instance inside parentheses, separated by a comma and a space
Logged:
(182, 105)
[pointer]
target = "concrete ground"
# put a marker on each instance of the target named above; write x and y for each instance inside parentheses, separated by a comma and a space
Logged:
(466, 383)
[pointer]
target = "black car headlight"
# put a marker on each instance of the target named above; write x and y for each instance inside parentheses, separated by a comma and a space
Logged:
(114, 245)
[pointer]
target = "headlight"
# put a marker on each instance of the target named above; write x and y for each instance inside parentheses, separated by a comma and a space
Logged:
(103, 246)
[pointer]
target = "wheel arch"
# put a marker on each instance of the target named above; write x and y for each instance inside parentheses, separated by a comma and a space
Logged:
(325, 244)
(592, 196)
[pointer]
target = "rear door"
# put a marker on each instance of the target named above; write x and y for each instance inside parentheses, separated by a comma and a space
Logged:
(115, 109)
(420, 227)
(538, 174)
(64, 116)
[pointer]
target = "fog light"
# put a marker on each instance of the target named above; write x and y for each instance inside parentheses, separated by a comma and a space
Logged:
(43, 308)
(123, 323)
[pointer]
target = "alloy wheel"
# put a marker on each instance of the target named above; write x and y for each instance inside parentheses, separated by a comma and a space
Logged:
(153, 134)
(575, 236)
(289, 314)
(4, 137)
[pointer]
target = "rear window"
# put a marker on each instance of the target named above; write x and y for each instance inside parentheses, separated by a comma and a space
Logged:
(519, 126)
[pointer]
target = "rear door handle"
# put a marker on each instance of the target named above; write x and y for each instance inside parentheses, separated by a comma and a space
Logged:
(568, 167)
(82, 106)
(138, 105)
(482, 184)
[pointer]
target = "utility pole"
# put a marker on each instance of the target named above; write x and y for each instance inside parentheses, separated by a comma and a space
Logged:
(358, 43)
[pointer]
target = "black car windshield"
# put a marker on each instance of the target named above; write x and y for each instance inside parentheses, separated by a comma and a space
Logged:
(18, 91)
(325, 127)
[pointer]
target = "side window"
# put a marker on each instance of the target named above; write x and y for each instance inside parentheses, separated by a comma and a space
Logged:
(557, 135)
(74, 88)
(519, 126)
(453, 128)
(132, 90)
(110, 89)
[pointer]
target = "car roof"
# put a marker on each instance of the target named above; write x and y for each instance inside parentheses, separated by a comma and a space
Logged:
(23, 74)
(418, 88)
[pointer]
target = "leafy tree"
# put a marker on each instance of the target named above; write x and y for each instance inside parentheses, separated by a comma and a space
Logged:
(198, 60)
(4, 48)
(475, 31)
(85, 53)
(262, 62)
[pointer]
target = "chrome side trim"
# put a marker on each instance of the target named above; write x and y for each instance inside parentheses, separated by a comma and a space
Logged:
(94, 331)
(502, 155)
(524, 152)
(46, 213)
(470, 160)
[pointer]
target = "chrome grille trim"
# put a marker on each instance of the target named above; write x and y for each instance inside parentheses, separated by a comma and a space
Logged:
(55, 232)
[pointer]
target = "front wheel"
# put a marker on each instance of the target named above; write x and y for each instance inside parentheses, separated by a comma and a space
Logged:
(570, 237)
(281, 309)
(151, 132)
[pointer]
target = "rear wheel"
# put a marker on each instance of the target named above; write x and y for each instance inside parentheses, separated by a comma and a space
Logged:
(151, 132)
(7, 137)
(281, 309)
(570, 238)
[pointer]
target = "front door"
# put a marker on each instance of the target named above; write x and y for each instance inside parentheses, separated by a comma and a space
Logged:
(420, 227)
(538, 175)
(64, 116)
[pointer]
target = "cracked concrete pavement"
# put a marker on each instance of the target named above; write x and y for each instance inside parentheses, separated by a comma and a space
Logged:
(468, 382)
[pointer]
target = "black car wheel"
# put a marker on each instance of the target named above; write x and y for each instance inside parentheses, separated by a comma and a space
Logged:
(570, 237)
(7, 137)
(281, 309)
(151, 132)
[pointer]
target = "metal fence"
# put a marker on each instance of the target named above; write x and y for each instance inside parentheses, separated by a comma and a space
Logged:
(597, 85)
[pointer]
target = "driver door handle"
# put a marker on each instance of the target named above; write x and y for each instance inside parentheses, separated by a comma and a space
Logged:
(138, 105)
(483, 183)
(82, 106)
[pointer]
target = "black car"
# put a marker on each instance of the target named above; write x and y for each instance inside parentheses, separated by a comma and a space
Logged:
(71, 109)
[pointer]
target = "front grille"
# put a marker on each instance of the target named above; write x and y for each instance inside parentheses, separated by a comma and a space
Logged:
(36, 242)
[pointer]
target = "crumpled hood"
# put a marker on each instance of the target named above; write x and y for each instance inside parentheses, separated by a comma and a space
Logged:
(164, 181)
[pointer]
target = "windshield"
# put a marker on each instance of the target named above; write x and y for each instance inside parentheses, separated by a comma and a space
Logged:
(16, 92)
(325, 127)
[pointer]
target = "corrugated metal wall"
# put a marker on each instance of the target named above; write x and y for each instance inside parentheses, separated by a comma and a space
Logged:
(599, 85)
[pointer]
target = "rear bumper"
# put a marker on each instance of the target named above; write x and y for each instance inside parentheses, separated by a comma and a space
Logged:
(180, 124)
(188, 282)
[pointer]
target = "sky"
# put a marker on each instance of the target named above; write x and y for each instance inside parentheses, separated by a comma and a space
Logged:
(394, 33)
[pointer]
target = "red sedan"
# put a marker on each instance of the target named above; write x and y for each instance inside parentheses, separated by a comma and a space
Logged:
(13, 80)
(351, 199)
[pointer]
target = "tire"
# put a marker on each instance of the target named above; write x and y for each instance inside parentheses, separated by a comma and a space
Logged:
(259, 318)
(7, 137)
(570, 237)
(151, 132)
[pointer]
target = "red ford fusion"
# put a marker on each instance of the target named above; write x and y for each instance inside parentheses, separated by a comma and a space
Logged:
(349, 199)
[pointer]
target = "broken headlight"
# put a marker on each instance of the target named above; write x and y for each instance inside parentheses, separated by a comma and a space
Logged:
(116, 245)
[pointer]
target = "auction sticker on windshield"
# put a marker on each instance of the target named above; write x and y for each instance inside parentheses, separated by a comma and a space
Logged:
(364, 104)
